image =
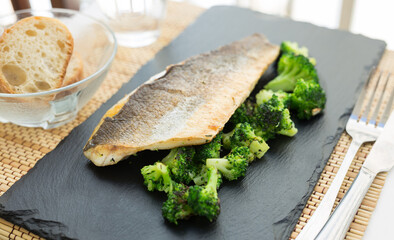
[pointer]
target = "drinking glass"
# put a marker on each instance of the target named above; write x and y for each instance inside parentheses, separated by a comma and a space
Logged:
(136, 23)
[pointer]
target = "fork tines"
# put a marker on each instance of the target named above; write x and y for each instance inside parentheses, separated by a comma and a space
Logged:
(381, 85)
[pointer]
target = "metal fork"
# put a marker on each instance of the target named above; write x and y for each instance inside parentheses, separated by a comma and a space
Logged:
(361, 130)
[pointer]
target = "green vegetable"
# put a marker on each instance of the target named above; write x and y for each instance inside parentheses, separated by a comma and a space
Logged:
(292, 47)
(243, 136)
(232, 166)
(157, 177)
(181, 164)
(274, 118)
(296, 88)
(308, 99)
(287, 125)
(202, 177)
(204, 200)
(244, 113)
(209, 150)
(291, 68)
(176, 206)
(265, 95)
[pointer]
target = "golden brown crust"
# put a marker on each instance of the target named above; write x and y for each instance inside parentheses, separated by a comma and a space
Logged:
(188, 105)
(74, 72)
(4, 87)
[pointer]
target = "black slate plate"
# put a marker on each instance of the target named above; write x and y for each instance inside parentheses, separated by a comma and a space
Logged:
(65, 196)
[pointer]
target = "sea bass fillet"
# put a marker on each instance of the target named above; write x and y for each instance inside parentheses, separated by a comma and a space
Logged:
(188, 104)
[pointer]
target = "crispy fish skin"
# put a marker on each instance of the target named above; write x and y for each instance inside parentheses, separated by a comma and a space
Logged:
(188, 105)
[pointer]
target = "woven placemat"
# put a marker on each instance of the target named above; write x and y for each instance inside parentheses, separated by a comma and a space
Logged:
(21, 148)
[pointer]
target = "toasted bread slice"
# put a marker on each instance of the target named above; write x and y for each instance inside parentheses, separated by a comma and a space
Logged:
(34, 55)
(74, 70)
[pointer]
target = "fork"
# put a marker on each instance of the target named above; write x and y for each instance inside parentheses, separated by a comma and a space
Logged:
(361, 130)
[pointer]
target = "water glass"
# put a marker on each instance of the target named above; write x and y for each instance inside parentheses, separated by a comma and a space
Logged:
(136, 23)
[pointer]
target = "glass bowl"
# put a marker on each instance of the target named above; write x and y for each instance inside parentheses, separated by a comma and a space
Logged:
(95, 43)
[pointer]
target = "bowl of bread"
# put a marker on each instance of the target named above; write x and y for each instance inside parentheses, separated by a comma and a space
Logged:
(51, 64)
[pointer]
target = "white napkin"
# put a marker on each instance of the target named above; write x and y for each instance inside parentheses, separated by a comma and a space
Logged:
(381, 223)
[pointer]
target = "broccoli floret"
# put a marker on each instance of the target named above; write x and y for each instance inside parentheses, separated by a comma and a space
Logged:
(209, 150)
(265, 94)
(176, 207)
(203, 152)
(233, 165)
(274, 118)
(308, 99)
(201, 178)
(287, 125)
(244, 113)
(291, 68)
(157, 177)
(204, 200)
(292, 47)
(243, 136)
(181, 164)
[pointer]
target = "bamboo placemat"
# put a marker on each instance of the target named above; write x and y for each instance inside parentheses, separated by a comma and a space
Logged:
(21, 148)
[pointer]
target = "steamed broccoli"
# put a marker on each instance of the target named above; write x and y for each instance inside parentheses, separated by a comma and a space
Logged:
(287, 125)
(265, 94)
(308, 99)
(202, 177)
(232, 166)
(274, 118)
(181, 164)
(184, 202)
(157, 177)
(203, 152)
(291, 68)
(292, 47)
(204, 200)
(244, 113)
(176, 206)
(243, 136)
(255, 122)
(209, 150)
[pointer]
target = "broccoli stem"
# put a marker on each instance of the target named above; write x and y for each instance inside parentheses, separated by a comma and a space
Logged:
(258, 148)
(282, 82)
(201, 178)
(170, 156)
(227, 139)
(213, 183)
(204, 200)
(289, 132)
(222, 165)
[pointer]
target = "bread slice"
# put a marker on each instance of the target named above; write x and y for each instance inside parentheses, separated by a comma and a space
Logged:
(34, 54)
(74, 70)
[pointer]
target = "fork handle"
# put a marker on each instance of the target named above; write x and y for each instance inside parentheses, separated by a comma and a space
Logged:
(340, 220)
(323, 211)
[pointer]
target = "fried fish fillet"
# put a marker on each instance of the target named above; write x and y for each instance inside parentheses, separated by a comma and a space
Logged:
(187, 105)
